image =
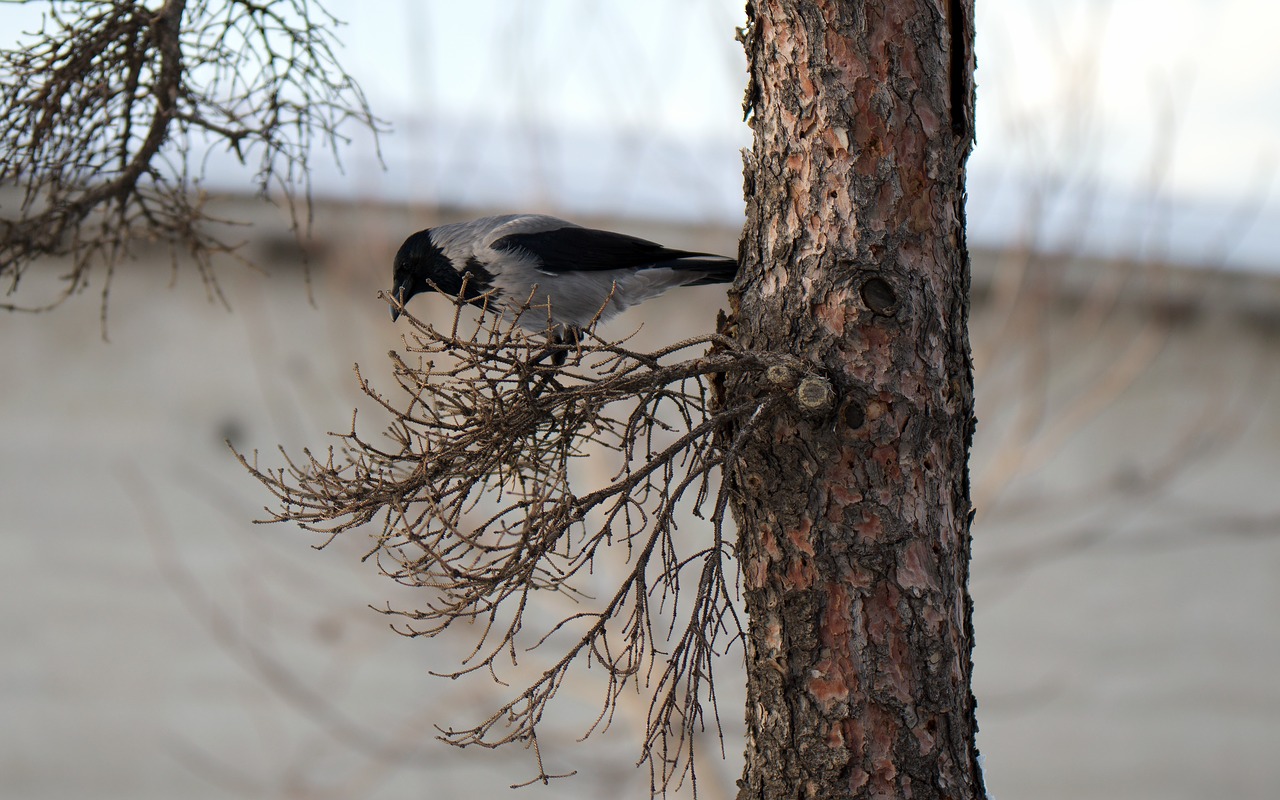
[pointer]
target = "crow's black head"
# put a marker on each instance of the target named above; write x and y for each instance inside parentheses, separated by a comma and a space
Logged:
(419, 264)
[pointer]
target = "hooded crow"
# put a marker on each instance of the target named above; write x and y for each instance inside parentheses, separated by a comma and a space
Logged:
(545, 273)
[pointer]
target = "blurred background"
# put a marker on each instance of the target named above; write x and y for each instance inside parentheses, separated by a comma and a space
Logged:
(1126, 331)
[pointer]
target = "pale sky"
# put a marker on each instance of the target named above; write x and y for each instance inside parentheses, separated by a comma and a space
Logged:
(672, 66)
(573, 102)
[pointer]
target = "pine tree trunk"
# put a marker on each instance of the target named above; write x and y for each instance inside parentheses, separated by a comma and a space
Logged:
(854, 516)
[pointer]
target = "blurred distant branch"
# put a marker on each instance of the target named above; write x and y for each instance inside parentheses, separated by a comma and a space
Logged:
(110, 113)
(480, 508)
(1115, 302)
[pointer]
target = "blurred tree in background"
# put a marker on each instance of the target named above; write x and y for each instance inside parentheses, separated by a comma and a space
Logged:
(109, 114)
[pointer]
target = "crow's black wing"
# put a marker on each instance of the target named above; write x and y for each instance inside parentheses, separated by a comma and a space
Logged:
(571, 248)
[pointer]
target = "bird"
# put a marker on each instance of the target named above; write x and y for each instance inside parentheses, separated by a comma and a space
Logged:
(544, 273)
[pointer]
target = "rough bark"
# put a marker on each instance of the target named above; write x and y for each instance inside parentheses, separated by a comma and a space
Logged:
(854, 517)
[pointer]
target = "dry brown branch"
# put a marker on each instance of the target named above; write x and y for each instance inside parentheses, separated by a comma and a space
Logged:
(110, 112)
(478, 499)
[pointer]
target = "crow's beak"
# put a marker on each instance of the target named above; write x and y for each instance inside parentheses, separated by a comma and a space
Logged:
(399, 296)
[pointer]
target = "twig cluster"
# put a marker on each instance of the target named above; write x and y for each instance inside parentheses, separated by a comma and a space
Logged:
(478, 498)
(110, 112)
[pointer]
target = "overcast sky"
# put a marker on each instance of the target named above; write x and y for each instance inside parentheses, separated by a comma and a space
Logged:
(672, 65)
(637, 106)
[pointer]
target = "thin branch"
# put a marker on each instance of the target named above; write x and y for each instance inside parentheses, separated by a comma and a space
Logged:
(477, 506)
(110, 112)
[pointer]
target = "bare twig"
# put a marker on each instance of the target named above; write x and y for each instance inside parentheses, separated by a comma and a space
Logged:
(109, 113)
(477, 506)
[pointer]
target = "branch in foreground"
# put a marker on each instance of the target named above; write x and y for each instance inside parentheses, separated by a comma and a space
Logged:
(477, 507)
(110, 113)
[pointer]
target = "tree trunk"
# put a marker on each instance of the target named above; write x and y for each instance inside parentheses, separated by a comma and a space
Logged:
(854, 517)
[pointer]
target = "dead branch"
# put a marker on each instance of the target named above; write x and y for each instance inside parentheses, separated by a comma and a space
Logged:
(476, 494)
(110, 112)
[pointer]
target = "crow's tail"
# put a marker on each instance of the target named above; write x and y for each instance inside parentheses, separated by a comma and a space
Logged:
(714, 269)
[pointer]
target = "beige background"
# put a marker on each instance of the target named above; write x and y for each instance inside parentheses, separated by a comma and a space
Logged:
(158, 645)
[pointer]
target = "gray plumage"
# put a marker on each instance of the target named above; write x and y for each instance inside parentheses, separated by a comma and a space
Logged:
(562, 274)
